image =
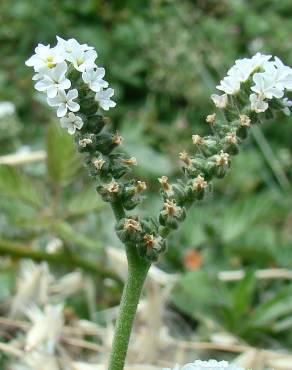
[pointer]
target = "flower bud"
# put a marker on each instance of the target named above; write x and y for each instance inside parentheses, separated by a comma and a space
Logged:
(197, 140)
(222, 164)
(151, 246)
(94, 124)
(183, 156)
(171, 214)
(106, 142)
(129, 230)
(211, 119)
(86, 143)
(99, 168)
(231, 143)
(166, 188)
(196, 188)
(109, 191)
(88, 106)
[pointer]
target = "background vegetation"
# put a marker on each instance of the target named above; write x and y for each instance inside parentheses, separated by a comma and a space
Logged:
(164, 59)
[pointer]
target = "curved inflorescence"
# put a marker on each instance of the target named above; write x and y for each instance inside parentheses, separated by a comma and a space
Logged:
(254, 89)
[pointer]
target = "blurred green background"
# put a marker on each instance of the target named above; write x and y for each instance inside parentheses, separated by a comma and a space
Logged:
(164, 59)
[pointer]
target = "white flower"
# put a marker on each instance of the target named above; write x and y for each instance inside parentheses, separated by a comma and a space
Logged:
(71, 122)
(103, 97)
(45, 57)
(54, 80)
(81, 59)
(279, 74)
(257, 103)
(230, 85)
(220, 101)
(94, 78)
(46, 329)
(6, 109)
(32, 286)
(243, 68)
(71, 45)
(266, 87)
(286, 104)
(207, 365)
(64, 101)
(259, 60)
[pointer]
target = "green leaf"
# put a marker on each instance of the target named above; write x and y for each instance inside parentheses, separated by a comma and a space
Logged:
(195, 294)
(243, 294)
(274, 309)
(84, 202)
(15, 184)
(150, 161)
(67, 233)
(63, 161)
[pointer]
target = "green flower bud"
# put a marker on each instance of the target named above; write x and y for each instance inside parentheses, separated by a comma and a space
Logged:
(196, 188)
(222, 164)
(171, 214)
(129, 230)
(151, 246)
(231, 143)
(131, 195)
(94, 124)
(106, 142)
(86, 143)
(109, 192)
(88, 106)
(121, 165)
(99, 167)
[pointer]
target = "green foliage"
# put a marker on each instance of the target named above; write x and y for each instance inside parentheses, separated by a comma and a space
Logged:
(62, 160)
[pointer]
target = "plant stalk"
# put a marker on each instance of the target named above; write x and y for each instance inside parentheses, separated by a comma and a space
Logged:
(137, 272)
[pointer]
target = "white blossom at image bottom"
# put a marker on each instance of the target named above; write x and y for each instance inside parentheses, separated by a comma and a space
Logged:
(71, 122)
(207, 365)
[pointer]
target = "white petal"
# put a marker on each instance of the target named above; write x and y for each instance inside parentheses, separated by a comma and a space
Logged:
(72, 94)
(65, 84)
(43, 85)
(62, 110)
(74, 107)
(71, 129)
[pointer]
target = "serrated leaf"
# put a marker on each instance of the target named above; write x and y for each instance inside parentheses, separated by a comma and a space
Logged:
(15, 184)
(63, 161)
(84, 202)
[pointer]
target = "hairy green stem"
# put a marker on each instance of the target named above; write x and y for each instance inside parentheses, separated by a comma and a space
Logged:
(137, 272)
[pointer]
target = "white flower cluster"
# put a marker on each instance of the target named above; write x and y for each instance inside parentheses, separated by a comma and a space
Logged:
(207, 365)
(53, 66)
(270, 79)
